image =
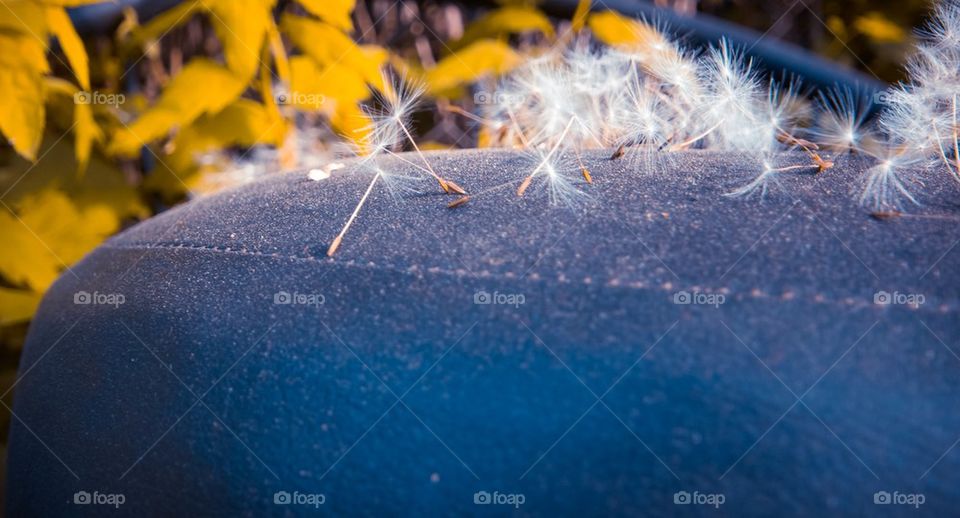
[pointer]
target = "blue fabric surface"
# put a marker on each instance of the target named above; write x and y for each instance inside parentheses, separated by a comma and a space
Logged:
(598, 395)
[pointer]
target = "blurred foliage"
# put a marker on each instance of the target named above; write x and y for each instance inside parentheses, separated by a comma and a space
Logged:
(104, 131)
(873, 36)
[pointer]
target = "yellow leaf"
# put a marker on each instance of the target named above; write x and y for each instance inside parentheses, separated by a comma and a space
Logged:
(432, 145)
(327, 45)
(580, 15)
(243, 123)
(25, 260)
(478, 59)
(334, 12)
(23, 51)
(17, 306)
(165, 22)
(23, 63)
(25, 18)
(102, 185)
(72, 3)
(837, 26)
(202, 86)
(61, 27)
(878, 28)
(86, 131)
(620, 31)
(505, 20)
(278, 52)
(21, 106)
(485, 137)
(241, 26)
(317, 88)
(48, 233)
(351, 122)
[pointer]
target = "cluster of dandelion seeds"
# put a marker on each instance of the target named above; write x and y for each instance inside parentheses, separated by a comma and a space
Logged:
(645, 102)
(658, 97)
(919, 122)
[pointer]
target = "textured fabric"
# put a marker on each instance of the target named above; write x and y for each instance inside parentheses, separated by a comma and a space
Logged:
(584, 386)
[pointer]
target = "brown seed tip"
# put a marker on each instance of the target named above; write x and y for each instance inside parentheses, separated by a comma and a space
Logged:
(458, 202)
(523, 186)
(618, 153)
(885, 215)
(453, 187)
(586, 174)
(333, 246)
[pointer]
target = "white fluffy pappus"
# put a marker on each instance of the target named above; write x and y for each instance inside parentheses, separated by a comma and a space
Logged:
(921, 115)
(883, 185)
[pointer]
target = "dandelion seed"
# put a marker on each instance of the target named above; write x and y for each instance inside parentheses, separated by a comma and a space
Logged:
(889, 215)
(770, 175)
(353, 216)
(458, 202)
(842, 125)
(390, 126)
(885, 215)
(883, 188)
(943, 30)
(733, 100)
(524, 185)
(586, 174)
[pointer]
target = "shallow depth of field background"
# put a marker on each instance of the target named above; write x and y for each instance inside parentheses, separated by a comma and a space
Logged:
(59, 203)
